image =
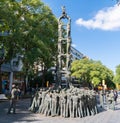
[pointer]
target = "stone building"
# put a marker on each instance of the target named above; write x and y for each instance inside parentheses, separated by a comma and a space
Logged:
(11, 72)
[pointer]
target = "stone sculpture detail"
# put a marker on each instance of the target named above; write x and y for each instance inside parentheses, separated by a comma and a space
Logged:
(64, 45)
(72, 102)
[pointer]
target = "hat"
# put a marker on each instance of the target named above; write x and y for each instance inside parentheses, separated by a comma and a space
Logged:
(13, 85)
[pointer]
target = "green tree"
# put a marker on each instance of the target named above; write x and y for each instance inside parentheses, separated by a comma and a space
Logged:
(117, 75)
(89, 72)
(32, 31)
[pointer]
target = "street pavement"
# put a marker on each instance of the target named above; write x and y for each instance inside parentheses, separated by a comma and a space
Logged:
(24, 116)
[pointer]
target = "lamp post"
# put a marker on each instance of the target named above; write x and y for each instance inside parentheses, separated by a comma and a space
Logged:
(1, 62)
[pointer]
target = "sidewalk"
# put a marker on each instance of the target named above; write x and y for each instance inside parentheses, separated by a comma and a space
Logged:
(24, 116)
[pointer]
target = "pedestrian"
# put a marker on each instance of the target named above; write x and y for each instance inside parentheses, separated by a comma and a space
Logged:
(115, 96)
(13, 100)
(111, 101)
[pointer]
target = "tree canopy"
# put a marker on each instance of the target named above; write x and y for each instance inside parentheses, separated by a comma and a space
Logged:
(28, 28)
(90, 71)
(117, 76)
(31, 30)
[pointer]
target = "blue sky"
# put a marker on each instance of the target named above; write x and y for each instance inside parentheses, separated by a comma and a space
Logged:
(95, 28)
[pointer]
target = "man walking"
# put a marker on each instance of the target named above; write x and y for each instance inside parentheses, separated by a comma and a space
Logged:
(14, 94)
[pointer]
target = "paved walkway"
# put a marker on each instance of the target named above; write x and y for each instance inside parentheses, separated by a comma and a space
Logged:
(24, 116)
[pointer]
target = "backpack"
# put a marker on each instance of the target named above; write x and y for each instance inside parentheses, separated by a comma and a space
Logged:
(16, 94)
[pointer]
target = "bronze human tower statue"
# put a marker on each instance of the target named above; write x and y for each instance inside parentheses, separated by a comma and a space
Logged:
(64, 46)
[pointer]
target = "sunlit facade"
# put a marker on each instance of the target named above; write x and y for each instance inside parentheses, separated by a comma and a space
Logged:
(76, 55)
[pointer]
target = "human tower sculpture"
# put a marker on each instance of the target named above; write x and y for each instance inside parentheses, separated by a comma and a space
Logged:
(72, 102)
(64, 48)
(67, 102)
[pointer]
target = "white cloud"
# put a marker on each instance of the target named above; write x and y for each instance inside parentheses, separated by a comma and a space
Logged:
(106, 19)
(73, 45)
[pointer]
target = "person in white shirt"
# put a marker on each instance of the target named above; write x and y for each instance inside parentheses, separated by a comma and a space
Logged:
(14, 94)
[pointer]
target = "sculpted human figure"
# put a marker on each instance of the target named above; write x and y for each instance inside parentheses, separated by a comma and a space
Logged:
(68, 30)
(75, 105)
(35, 103)
(111, 100)
(57, 103)
(70, 102)
(69, 105)
(101, 99)
(60, 30)
(83, 105)
(54, 102)
(94, 103)
(47, 106)
(63, 100)
(40, 110)
(80, 111)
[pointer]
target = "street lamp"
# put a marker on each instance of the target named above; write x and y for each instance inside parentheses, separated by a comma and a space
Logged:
(2, 53)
